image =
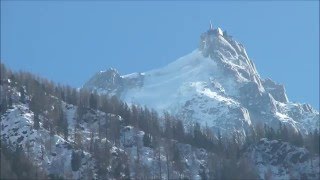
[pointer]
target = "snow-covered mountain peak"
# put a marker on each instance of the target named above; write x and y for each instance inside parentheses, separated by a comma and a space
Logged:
(230, 54)
(216, 85)
(109, 71)
(109, 78)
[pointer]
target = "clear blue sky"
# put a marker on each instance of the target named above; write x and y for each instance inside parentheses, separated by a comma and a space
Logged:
(69, 41)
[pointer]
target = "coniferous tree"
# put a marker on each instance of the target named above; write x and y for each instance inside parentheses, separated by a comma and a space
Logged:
(75, 160)
(168, 146)
(316, 141)
(177, 160)
(115, 104)
(36, 121)
(134, 116)
(138, 164)
(179, 131)
(220, 143)
(3, 105)
(114, 130)
(147, 140)
(22, 95)
(168, 130)
(212, 165)
(10, 104)
(91, 143)
(93, 101)
(156, 144)
(3, 73)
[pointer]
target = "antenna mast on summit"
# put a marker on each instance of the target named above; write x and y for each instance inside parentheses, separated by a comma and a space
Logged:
(211, 27)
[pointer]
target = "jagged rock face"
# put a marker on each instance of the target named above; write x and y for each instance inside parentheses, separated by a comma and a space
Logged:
(216, 85)
(276, 90)
(281, 160)
(256, 100)
(108, 82)
(230, 56)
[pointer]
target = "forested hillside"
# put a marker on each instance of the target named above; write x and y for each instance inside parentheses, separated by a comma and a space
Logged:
(50, 130)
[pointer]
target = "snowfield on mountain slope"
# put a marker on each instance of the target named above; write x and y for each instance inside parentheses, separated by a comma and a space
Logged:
(173, 82)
